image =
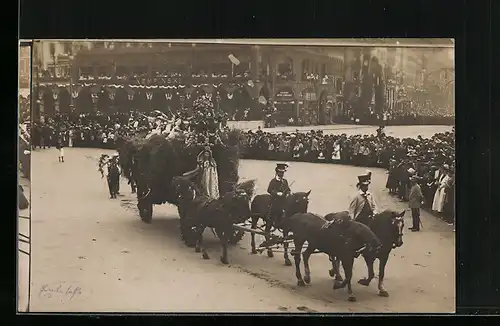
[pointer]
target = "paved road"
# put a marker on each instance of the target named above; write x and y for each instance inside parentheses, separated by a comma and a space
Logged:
(92, 253)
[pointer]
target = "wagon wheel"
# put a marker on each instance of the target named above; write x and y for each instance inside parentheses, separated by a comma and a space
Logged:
(188, 232)
(236, 237)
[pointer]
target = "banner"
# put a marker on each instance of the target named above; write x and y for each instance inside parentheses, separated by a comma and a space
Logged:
(55, 93)
(284, 94)
(75, 90)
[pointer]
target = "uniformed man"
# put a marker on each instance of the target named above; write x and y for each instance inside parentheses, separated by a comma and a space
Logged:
(116, 158)
(363, 207)
(113, 176)
(278, 189)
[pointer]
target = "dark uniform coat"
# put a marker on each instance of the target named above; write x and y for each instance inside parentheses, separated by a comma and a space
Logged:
(277, 185)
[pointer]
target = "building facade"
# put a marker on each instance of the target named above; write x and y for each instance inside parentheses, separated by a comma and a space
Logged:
(322, 81)
(125, 76)
(24, 67)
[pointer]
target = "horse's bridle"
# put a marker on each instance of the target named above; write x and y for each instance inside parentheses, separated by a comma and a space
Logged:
(398, 221)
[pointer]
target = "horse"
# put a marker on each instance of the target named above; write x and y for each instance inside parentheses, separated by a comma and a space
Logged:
(113, 180)
(333, 239)
(388, 227)
(218, 214)
(295, 203)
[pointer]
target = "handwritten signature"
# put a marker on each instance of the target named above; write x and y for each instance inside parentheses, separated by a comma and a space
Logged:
(69, 291)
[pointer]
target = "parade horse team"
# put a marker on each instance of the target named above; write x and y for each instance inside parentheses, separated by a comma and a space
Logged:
(343, 236)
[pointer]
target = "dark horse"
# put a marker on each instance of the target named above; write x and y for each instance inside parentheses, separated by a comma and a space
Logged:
(113, 180)
(388, 227)
(218, 214)
(333, 239)
(295, 203)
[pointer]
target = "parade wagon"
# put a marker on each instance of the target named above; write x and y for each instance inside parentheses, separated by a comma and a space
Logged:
(152, 163)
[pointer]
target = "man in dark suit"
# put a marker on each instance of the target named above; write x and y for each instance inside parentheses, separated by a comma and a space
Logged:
(415, 201)
(278, 189)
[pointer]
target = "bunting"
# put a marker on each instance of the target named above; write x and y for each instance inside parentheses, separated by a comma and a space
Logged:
(55, 93)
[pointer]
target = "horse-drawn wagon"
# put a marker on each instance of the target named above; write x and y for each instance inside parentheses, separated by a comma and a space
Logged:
(152, 164)
(157, 166)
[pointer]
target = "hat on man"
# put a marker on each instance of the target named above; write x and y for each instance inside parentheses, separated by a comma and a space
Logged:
(446, 167)
(363, 180)
(281, 167)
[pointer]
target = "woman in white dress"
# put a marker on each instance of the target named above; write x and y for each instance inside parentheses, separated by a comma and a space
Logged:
(440, 195)
(206, 170)
(336, 152)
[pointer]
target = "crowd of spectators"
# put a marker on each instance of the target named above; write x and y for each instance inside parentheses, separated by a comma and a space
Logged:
(24, 108)
(428, 159)
(423, 156)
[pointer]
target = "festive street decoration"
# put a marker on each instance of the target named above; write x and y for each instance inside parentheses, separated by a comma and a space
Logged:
(55, 93)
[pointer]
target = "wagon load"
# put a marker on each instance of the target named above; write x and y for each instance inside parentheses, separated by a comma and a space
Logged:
(152, 161)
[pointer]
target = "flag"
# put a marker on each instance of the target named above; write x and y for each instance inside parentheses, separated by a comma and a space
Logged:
(234, 60)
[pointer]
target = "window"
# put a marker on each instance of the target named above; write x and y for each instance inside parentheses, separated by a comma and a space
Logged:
(305, 67)
(52, 49)
(67, 48)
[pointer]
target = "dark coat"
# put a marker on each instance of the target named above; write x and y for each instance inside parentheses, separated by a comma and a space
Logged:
(276, 186)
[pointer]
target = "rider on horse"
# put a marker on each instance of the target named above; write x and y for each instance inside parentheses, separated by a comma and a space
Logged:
(278, 189)
(363, 206)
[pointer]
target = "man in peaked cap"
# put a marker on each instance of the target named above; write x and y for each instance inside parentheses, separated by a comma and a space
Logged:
(278, 189)
(363, 206)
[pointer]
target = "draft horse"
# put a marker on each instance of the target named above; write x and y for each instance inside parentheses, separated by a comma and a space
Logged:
(388, 227)
(260, 209)
(335, 240)
(219, 214)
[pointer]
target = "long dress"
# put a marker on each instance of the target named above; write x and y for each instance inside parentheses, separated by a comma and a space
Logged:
(336, 152)
(439, 196)
(210, 179)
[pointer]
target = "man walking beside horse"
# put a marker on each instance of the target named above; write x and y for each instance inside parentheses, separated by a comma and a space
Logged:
(109, 168)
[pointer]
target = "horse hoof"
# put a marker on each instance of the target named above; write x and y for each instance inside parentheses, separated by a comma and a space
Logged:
(338, 285)
(352, 299)
(383, 293)
(224, 260)
(205, 256)
(197, 250)
(331, 272)
(307, 279)
(254, 252)
(364, 282)
(270, 254)
(288, 262)
(301, 283)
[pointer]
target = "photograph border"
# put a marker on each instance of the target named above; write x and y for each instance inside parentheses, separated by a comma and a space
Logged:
(477, 288)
